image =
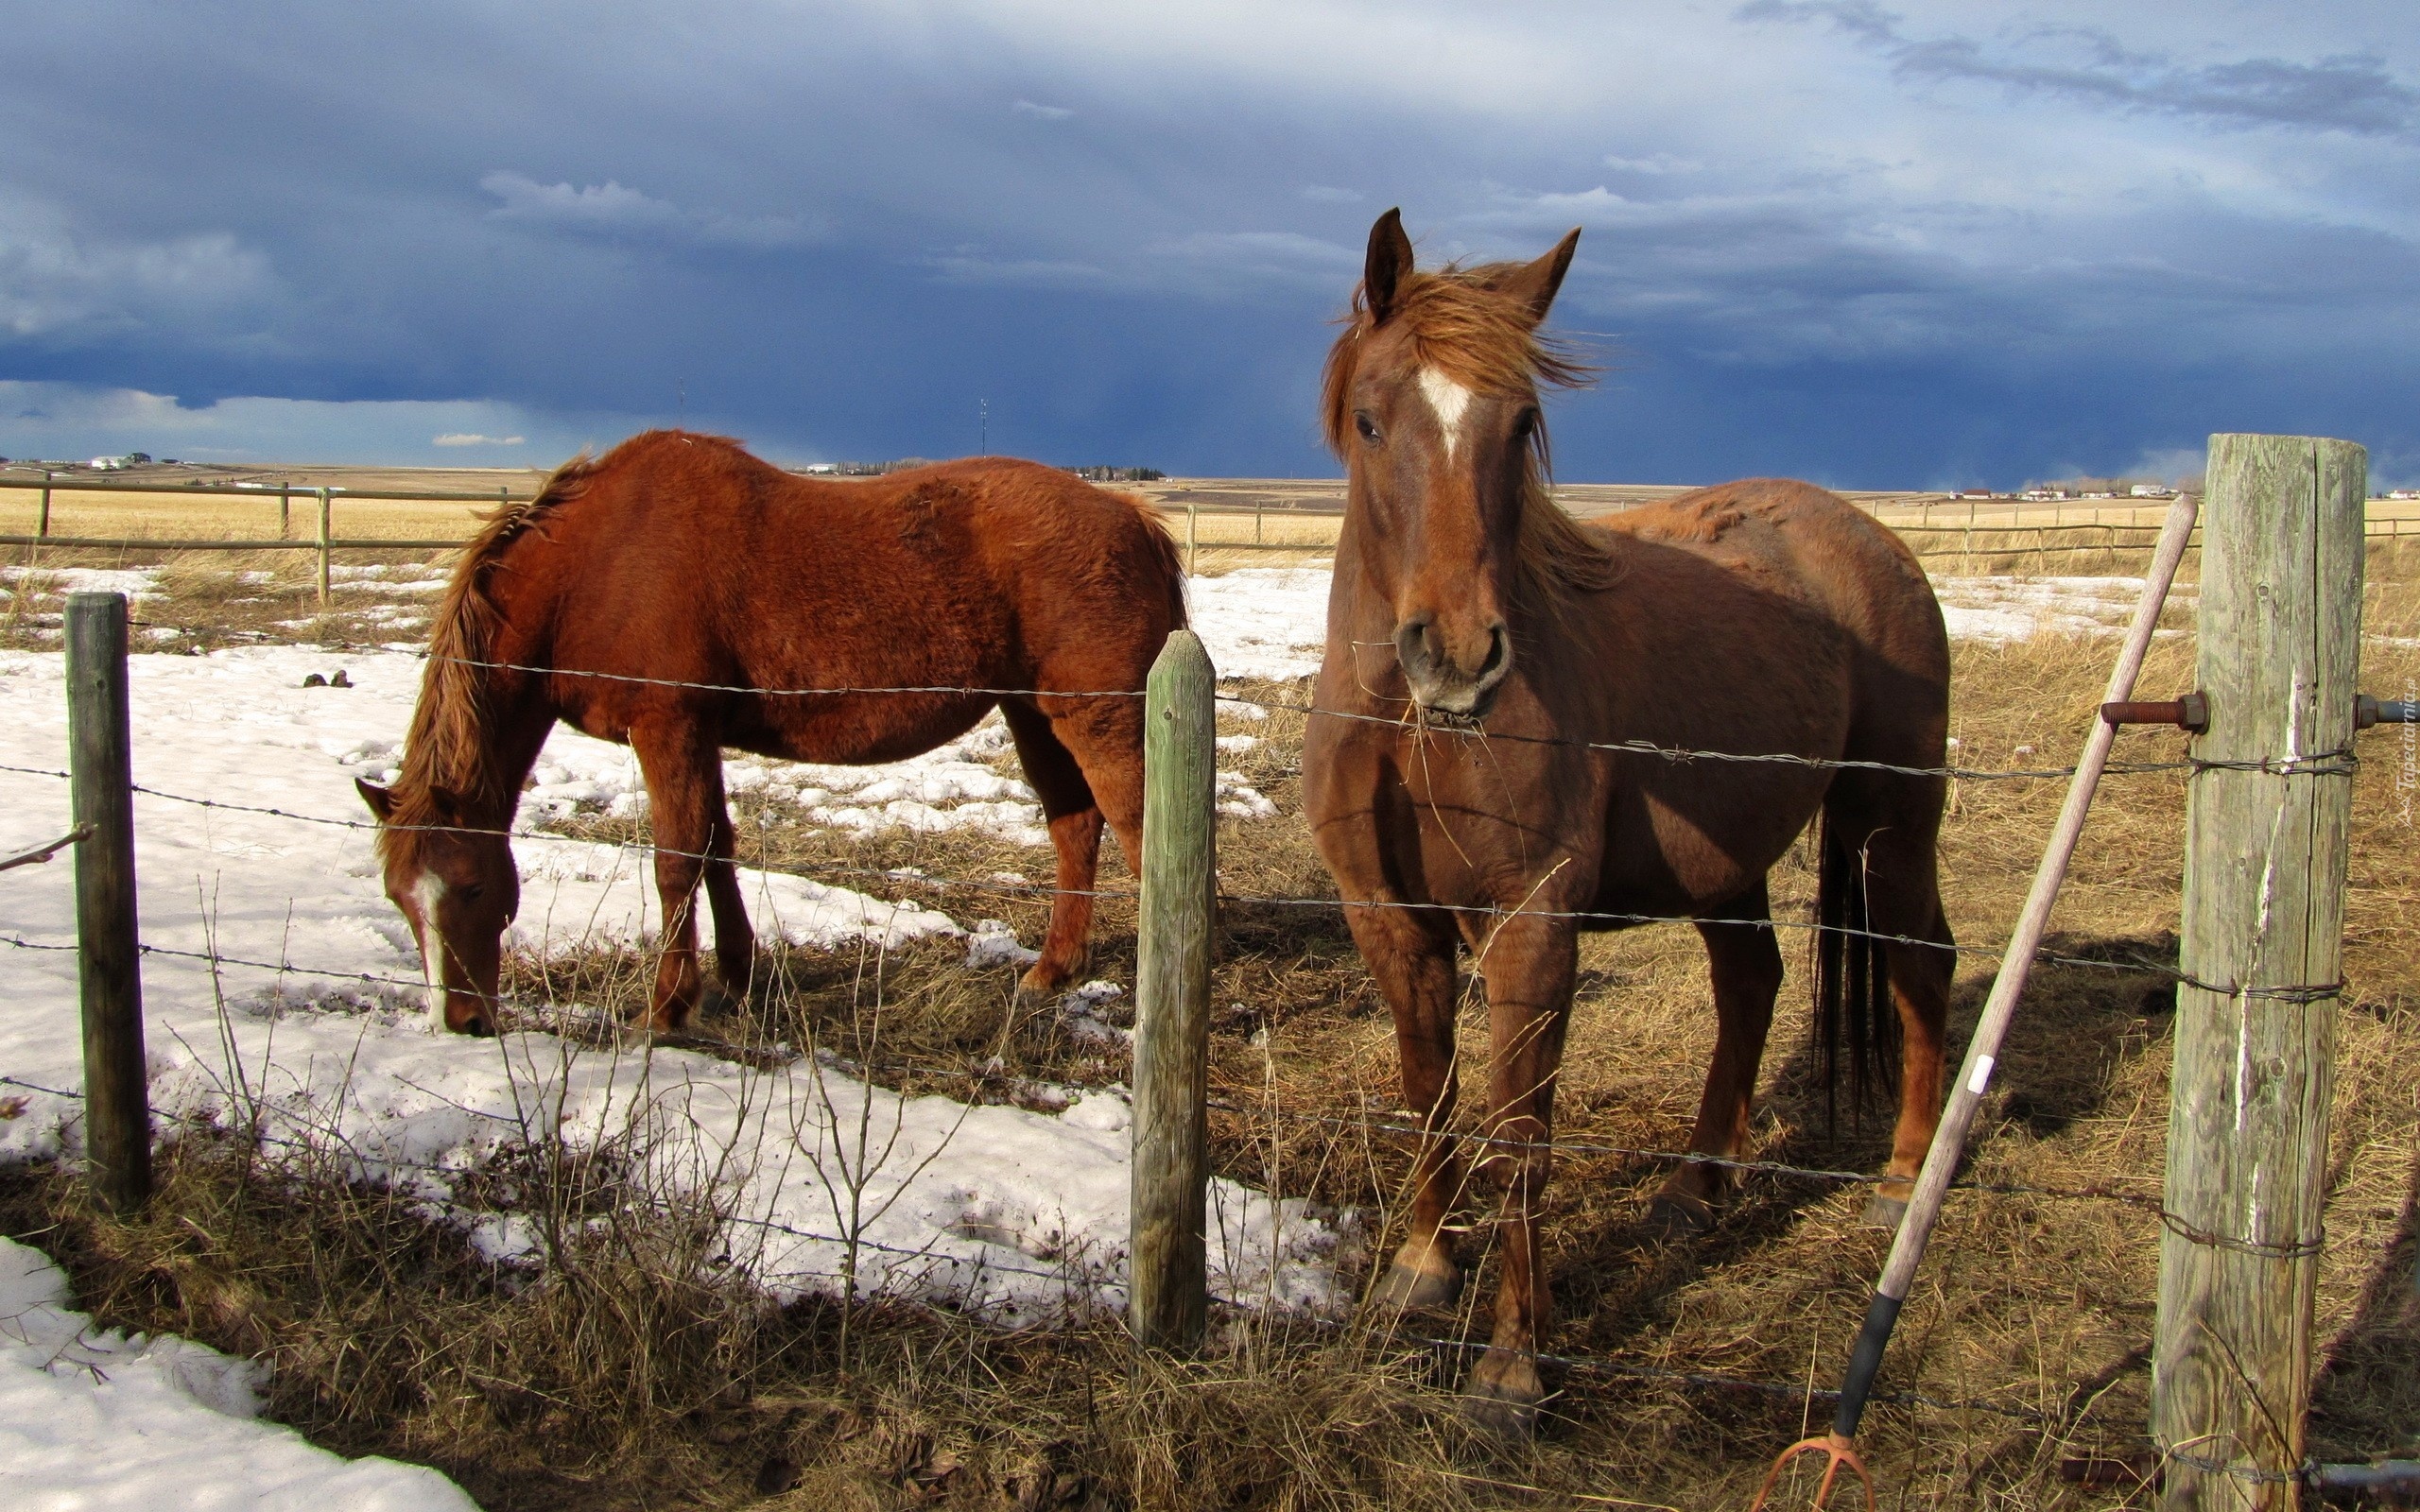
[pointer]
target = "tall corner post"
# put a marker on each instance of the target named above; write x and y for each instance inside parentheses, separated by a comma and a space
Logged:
(117, 1114)
(2267, 816)
(1169, 1298)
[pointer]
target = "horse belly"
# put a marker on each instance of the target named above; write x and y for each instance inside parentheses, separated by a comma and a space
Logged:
(862, 730)
(1679, 854)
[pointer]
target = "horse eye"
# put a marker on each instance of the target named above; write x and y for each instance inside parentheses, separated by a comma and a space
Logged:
(1526, 422)
(475, 890)
(1368, 427)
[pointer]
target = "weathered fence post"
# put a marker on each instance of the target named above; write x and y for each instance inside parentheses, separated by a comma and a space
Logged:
(1167, 1260)
(285, 510)
(2263, 923)
(117, 1114)
(42, 527)
(1192, 534)
(323, 550)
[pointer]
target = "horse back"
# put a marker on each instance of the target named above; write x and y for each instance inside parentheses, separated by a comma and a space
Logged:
(684, 558)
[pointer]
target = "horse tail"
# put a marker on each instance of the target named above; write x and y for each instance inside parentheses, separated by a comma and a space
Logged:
(1854, 1019)
(1167, 559)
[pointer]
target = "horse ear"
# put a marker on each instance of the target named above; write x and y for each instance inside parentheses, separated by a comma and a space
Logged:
(1390, 259)
(1536, 284)
(381, 801)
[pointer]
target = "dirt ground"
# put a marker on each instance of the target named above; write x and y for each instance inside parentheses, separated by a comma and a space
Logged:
(641, 1381)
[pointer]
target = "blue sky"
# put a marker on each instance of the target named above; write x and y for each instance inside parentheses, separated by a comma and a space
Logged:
(1878, 246)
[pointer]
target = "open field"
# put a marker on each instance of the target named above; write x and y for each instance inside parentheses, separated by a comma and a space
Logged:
(645, 1370)
(1231, 511)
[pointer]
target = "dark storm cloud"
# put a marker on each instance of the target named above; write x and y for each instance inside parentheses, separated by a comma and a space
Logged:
(2349, 92)
(835, 229)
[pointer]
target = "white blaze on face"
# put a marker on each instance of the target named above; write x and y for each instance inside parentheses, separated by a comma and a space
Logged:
(1449, 400)
(426, 892)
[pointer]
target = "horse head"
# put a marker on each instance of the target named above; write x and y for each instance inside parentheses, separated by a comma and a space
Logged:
(1431, 400)
(454, 883)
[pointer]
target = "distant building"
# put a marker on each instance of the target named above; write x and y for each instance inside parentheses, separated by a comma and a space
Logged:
(2150, 491)
(820, 468)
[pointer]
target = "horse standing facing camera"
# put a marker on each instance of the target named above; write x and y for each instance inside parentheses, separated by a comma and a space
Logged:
(1479, 640)
(680, 596)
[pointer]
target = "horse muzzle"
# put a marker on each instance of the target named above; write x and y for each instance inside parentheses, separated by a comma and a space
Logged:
(1457, 683)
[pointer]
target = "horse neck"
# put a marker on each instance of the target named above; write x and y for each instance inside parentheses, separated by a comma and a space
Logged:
(489, 745)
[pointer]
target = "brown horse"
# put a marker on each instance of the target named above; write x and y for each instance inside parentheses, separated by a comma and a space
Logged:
(642, 597)
(1477, 636)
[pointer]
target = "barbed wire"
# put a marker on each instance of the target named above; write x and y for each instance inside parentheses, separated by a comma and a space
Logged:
(899, 878)
(1409, 722)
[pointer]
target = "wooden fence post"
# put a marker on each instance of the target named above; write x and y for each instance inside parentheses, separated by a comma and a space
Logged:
(1169, 1300)
(42, 528)
(117, 1112)
(285, 510)
(1192, 534)
(323, 551)
(2263, 926)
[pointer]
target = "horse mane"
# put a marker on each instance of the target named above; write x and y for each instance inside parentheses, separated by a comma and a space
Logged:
(1462, 324)
(444, 747)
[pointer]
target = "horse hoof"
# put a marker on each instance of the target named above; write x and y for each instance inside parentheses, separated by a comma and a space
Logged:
(1041, 983)
(1675, 1215)
(1501, 1400)
(1409, 1289)
(1882, 1213)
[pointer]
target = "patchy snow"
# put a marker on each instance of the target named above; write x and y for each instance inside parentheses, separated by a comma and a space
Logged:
(2001, 609)
(1262, 624)
(1009, 1212)
(57, 582)
(97, 1419)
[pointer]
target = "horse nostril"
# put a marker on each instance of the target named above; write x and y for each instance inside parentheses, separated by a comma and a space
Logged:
(1499, 647)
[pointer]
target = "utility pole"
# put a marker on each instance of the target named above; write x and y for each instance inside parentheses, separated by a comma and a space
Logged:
(982, 427)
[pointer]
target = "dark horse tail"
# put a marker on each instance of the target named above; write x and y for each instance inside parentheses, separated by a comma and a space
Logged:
(1854, 1019)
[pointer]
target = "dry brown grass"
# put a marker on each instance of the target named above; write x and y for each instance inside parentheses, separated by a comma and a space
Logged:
(655, 1386)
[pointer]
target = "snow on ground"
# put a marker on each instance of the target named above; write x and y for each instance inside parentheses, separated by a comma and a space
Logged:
(94, 1419)
(2001, 609)
(1006, 1211)
(1262, 623)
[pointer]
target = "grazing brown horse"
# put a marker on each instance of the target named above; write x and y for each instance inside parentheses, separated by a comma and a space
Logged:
(1481, 635)
(641, 596)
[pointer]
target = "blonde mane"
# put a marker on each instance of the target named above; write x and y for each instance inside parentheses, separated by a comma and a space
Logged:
(1461, 323)
(445, 746)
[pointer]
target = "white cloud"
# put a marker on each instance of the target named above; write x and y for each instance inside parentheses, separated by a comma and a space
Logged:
(610, 209)
(1320, 193)
(58, 281)
(1042, 112)
(62, 419)
(1660, 163)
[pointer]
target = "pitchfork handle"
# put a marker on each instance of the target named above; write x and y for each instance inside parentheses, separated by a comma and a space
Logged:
(1866, 1360)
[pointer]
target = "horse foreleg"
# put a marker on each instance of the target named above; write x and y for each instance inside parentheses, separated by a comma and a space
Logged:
(1745, 964)
(685, 796)
(734, 940)
(1411, 955)
(1529, 963)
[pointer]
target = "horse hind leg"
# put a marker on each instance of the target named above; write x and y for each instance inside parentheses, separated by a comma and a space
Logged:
(734, 940)
(1899, 867)
(1075, 821)
(1744, 961)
